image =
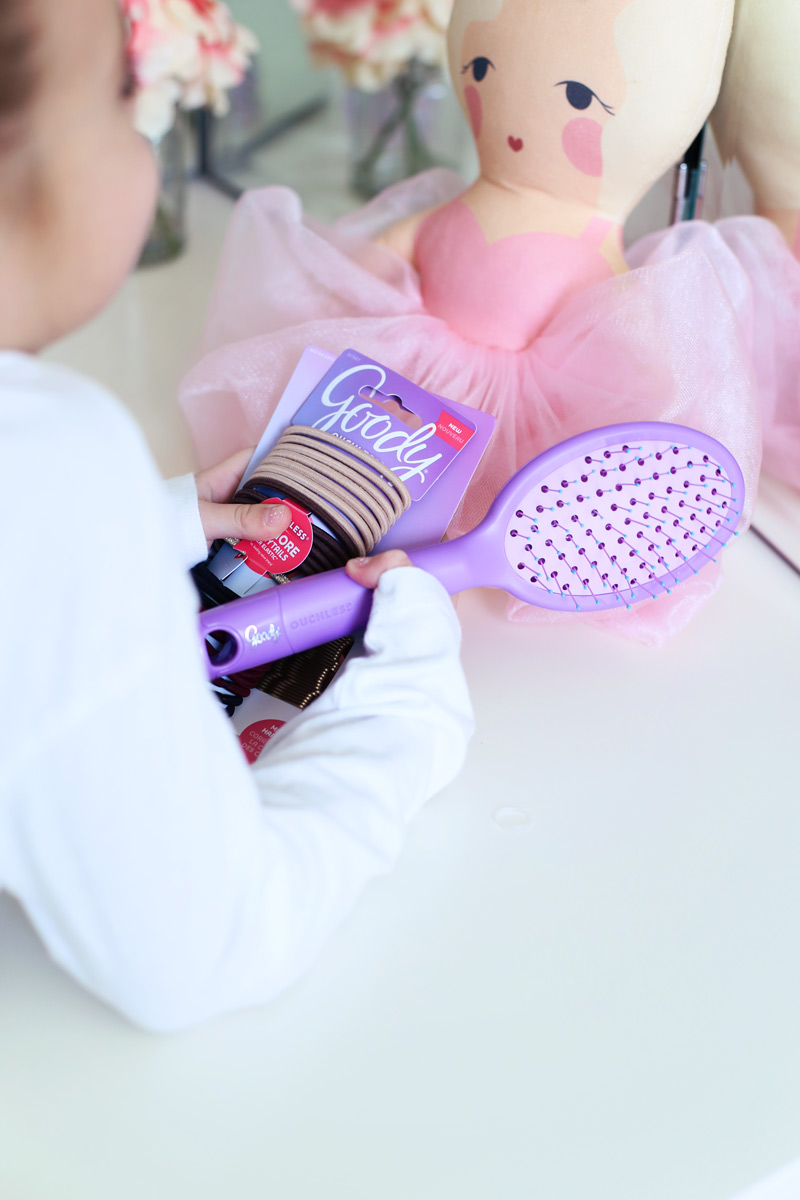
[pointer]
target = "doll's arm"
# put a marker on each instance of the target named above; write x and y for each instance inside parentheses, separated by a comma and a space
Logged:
(401, 238)
(757, 117)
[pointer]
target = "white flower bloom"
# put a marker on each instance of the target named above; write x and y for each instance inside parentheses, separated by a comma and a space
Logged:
(184, 55)
(374, 41)
(155, 108)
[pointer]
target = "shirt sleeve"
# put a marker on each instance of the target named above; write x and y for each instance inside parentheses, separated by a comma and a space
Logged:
(167, 876)
(191, 547)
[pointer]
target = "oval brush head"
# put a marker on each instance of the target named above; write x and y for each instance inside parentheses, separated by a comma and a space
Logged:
(615, 516)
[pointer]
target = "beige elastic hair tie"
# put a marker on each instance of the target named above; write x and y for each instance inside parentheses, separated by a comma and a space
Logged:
(358, 496)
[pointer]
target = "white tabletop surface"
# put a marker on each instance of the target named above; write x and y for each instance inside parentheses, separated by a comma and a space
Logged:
(597, 1002)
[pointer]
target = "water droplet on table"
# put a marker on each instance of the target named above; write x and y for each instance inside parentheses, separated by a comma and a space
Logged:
(511, 819)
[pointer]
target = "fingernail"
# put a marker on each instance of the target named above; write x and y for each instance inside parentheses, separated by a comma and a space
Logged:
(359, 562)
(275, 514)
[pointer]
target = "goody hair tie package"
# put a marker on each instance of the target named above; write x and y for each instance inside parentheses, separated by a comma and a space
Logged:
(607, 519)
(366, 461)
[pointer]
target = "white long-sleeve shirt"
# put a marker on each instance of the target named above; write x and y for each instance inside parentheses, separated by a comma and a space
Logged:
(161, 871)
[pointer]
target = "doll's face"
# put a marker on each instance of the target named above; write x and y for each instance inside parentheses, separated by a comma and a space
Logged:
(587, 100)
(539, 83)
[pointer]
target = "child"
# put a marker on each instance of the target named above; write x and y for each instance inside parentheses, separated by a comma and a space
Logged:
(163, 873)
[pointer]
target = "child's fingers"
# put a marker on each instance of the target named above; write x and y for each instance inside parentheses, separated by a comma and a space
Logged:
(367, 571)
(253, 522)
(220, 482)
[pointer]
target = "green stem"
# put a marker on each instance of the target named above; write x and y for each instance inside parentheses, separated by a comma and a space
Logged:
(416, 151)
(399, 117)
(164, 241)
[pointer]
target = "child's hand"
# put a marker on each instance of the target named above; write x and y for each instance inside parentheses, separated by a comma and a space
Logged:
(367, 571)
(254, 522)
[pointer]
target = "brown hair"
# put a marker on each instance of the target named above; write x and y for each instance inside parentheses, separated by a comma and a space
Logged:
(19, 68)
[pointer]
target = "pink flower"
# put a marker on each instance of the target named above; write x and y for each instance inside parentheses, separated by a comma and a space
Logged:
(204, 7)
(374, 40)
(337, 8)
(184, 52)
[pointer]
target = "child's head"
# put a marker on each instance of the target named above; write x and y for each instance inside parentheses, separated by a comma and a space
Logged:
(77, 183)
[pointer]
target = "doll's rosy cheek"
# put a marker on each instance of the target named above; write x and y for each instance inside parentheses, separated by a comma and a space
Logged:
(581, 141)
(475, 109)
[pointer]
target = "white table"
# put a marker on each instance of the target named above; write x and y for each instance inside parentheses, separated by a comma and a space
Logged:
(598, 1004)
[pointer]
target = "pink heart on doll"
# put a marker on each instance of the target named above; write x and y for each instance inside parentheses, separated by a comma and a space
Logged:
(515, 143)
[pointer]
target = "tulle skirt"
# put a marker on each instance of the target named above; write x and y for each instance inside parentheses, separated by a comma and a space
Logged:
(704, 330)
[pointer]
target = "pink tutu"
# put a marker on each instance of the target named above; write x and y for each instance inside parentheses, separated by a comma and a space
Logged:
(702, 331)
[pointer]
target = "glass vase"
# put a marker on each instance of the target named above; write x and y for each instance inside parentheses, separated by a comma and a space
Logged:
(167, 236)
(401, 130)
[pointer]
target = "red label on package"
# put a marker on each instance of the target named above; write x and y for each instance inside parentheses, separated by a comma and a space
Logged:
(285, 552)
(255, 737)
(452, 431)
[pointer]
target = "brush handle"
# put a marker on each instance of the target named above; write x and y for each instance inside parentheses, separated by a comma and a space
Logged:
(284, 620)
(307, 612)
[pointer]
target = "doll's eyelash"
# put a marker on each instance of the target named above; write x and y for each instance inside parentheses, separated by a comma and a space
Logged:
(577, 94)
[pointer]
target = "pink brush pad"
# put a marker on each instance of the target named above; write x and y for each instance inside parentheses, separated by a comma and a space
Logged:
(613, 524)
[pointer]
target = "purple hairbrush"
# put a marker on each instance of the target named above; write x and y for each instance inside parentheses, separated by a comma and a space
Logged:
(603, 520)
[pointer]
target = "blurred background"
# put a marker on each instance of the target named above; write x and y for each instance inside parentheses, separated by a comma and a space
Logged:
(299, 122)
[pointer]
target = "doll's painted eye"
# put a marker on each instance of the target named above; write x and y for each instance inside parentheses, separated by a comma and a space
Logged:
(480, 66)
(580, 96)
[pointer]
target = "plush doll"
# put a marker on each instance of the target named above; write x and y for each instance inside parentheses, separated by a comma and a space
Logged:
(756, 121)
(514, 294)
(576, 109)
(757, 117)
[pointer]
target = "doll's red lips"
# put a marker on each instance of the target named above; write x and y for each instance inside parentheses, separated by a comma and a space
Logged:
(515, 143)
